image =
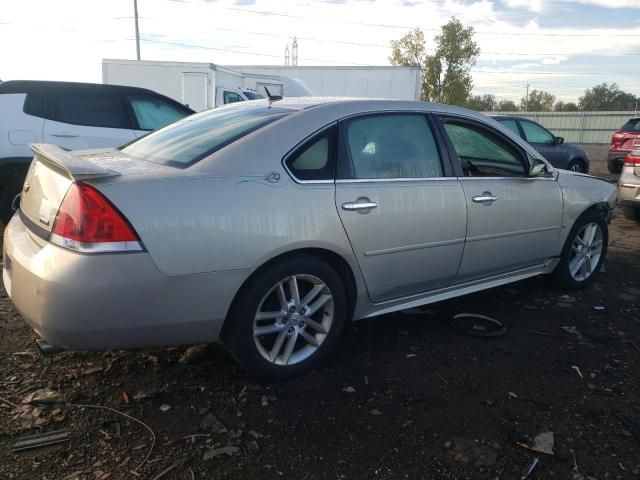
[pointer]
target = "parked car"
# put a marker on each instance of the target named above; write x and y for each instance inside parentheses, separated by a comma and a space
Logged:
(267, 225)
(622, 142)
(629, 186)
(73, 116)
(554, 149)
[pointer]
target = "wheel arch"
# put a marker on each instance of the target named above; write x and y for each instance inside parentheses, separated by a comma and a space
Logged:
(335, 260)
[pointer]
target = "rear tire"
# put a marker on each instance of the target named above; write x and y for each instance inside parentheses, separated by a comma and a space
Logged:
(614, 167)
(584, 252)
(300, 330)
(9, 192)
(631, 213)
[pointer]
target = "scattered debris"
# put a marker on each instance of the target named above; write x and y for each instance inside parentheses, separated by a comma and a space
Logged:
(252, 447)
(264, 401)
(164, 408)
(211, 423)
(543, 334)
(542, 443)
(349, 389)
(193, 353)
(566, 298)
(169, 469)
(577, 370)
(477, 325)
(44, 396)
(216, 452)
(30, 442)
(532, 466)
(375, 412)
(448, 444)
(599, 307)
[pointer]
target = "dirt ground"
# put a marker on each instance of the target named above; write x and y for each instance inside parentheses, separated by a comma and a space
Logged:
(404, 395)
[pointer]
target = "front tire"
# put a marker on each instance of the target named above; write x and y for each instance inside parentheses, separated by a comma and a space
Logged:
(577, 166)
(631, 213)
(584, 252)
(287, 319)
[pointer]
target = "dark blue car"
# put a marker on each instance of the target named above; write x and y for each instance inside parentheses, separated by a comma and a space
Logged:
(559, 154)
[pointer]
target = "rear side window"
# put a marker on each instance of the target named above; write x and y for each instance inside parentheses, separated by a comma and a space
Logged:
(390, 146)
(191, 139)
(152, 113)
(34, 104)
(632, 125)
(92, 108)
(315, 159)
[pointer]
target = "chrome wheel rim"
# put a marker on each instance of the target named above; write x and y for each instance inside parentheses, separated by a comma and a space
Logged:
(293, 319)
(576, 167)
(586, 251)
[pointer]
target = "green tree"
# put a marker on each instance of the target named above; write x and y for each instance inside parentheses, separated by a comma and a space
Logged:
(538, 101)
(607, 97)
(410, 51)
(507, 106)
(446, 74)
(560, 106)
(484, 103)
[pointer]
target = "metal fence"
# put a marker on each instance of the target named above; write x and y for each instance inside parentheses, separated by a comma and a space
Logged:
(578, 127)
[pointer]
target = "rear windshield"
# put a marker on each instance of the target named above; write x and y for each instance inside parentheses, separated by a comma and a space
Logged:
(187, 141)
(632, 125)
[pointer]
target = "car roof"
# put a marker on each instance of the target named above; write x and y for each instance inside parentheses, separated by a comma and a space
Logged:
(28, 86)
(510, 117)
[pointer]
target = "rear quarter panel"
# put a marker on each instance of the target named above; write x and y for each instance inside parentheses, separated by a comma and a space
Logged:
(207, 224)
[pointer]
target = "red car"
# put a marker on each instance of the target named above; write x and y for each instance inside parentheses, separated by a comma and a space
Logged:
(622, 142)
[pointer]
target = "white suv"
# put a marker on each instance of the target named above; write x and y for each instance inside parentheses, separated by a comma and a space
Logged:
(73, 116)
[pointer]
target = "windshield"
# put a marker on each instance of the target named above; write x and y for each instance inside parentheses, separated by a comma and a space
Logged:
(252, 95)
(187, 141)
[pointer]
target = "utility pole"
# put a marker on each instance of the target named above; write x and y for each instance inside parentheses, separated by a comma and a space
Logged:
(294, 52)
(286, 55)
(526, 101)
(135, 14)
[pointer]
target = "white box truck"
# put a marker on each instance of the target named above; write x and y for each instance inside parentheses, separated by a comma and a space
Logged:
(198, 85)
(399, 83)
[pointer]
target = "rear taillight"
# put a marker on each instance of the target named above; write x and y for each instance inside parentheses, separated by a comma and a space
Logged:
(633, 159)
(88, 222)
(617, 140)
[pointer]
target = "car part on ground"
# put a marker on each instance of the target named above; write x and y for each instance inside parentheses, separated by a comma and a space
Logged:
(477, 325)
(269, 224)
(623, 141)
(629, 186)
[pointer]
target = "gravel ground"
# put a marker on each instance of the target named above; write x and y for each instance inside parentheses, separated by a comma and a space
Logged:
(404, 395)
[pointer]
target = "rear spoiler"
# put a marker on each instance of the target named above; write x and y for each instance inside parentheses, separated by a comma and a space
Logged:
(74, 166)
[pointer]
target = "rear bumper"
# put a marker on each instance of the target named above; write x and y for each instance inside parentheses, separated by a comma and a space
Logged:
(628, 188)
(107, 301)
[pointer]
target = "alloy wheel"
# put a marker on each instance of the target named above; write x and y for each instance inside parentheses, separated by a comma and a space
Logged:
(586, 251)
(293, 319)
(576, 167)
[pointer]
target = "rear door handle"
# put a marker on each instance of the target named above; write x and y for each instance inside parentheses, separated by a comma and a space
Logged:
(359, 205)
(486, 197)
(64, 135)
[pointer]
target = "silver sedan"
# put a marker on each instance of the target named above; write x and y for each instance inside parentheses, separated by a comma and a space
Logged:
(268, 225)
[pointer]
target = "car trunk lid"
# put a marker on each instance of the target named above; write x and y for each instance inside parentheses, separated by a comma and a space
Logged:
(53, 171)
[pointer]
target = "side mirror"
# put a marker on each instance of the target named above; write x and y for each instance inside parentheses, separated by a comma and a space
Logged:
(559, 140)
(538, 169)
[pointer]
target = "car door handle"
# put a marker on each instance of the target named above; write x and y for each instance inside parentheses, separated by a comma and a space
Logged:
(360, 205)
(486, 197)
(64, 135)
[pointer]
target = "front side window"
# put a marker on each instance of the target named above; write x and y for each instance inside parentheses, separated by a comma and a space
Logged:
(153, 113)
(92, 108)
(199, 135)
(483, 153)
(314, 160)
(536, 134)
(231, 97)
(390, 146)
(511, 125)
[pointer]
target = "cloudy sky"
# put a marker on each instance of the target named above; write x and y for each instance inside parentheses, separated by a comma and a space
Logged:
(558, 45)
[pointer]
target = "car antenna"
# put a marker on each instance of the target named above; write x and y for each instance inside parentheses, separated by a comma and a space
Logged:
(272, 98)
